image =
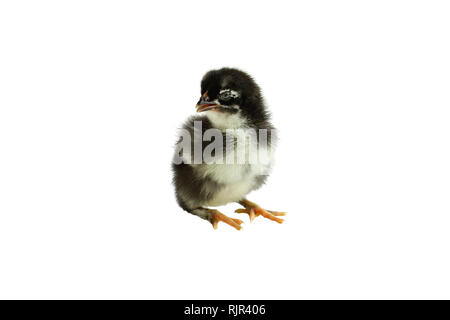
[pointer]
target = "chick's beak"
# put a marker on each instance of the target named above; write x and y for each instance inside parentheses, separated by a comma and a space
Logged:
(203, 105)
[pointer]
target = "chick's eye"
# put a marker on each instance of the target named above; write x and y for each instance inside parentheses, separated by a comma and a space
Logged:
(225, 95)
(228, 94)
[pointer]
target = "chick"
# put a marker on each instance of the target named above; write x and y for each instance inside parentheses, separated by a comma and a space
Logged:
(240, 155)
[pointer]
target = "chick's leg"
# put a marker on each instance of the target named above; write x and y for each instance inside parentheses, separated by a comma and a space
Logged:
(215, 216)
(253, 210)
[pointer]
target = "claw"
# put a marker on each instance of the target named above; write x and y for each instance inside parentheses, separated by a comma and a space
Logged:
(252, 215)
(250, 211)
(266, 214)
(218, 216)
(253, 210)
(277, 213)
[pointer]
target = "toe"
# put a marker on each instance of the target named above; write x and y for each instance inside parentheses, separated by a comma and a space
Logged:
(277, 213)
(235, 223)
(252, 215)
(266, 214)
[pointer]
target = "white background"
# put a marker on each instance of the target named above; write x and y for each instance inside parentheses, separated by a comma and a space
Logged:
(91, 95)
